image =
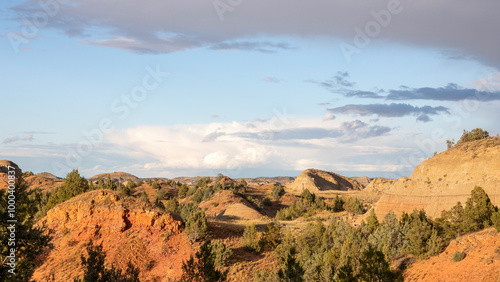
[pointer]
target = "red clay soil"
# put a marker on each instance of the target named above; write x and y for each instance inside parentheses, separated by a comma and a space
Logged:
(481, 262)
(128, 229)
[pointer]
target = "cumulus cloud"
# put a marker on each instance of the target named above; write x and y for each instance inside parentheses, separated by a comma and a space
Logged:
(235, 145)
(166, 25)
(390, 110)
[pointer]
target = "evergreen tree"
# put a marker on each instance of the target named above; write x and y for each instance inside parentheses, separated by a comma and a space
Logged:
(202, 268)
(183, 191)
(478, 210)
(73, 185)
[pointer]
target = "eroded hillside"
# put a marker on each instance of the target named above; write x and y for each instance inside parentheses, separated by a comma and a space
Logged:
(446, 178)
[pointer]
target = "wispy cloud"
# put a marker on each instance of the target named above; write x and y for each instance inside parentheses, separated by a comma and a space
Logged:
(263, 47)
(488, 90)
(451, 92)
(16, 139)
(391, 110)
(272, 79)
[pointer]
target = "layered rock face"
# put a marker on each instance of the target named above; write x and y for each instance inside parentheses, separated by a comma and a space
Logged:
(316, 180)
(128, 229)
(441, 181)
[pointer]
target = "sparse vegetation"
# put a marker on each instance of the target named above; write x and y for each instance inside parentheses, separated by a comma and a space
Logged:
(95, 270)
(458, 256)
(475, 134)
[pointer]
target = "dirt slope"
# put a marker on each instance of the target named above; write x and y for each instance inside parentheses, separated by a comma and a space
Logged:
(129, 231)
(316, 180)
(442, 180)
(481, 263)
(225, 204)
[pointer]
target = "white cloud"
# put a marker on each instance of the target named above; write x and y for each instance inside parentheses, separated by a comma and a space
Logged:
(294, 145)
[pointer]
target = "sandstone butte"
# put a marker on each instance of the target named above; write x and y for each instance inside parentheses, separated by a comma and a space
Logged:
(441, 181)
(316, 180)
(128, 229)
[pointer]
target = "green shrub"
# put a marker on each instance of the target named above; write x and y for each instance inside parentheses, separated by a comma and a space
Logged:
(203, 267)
(172, 206)
(353, 205)
(95, 270)
(338, 204)
(73, 185)
(183, 191)
(495, 218)
(308, 196)
(458, 256)
(475, 134)
(126, 190)
(144, 197)
(251, 238)
(277, 192)
(267, 202)
(196, 225)
(155, 184)
(271, 238)
(221, 253)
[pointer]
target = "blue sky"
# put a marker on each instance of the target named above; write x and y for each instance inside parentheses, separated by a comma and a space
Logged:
(252, 89)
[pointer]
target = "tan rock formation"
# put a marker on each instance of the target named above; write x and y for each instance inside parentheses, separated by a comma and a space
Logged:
(4, 167)
(379, 185)
(115, 176)
(446, 178)
(226, 204)
(316, 180)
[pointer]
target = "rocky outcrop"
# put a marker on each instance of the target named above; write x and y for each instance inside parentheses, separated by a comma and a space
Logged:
(129, 230)
(4, 167)
(121, 177)
(379, 185)
(4, 170)
(441, 181)
(316, 180)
